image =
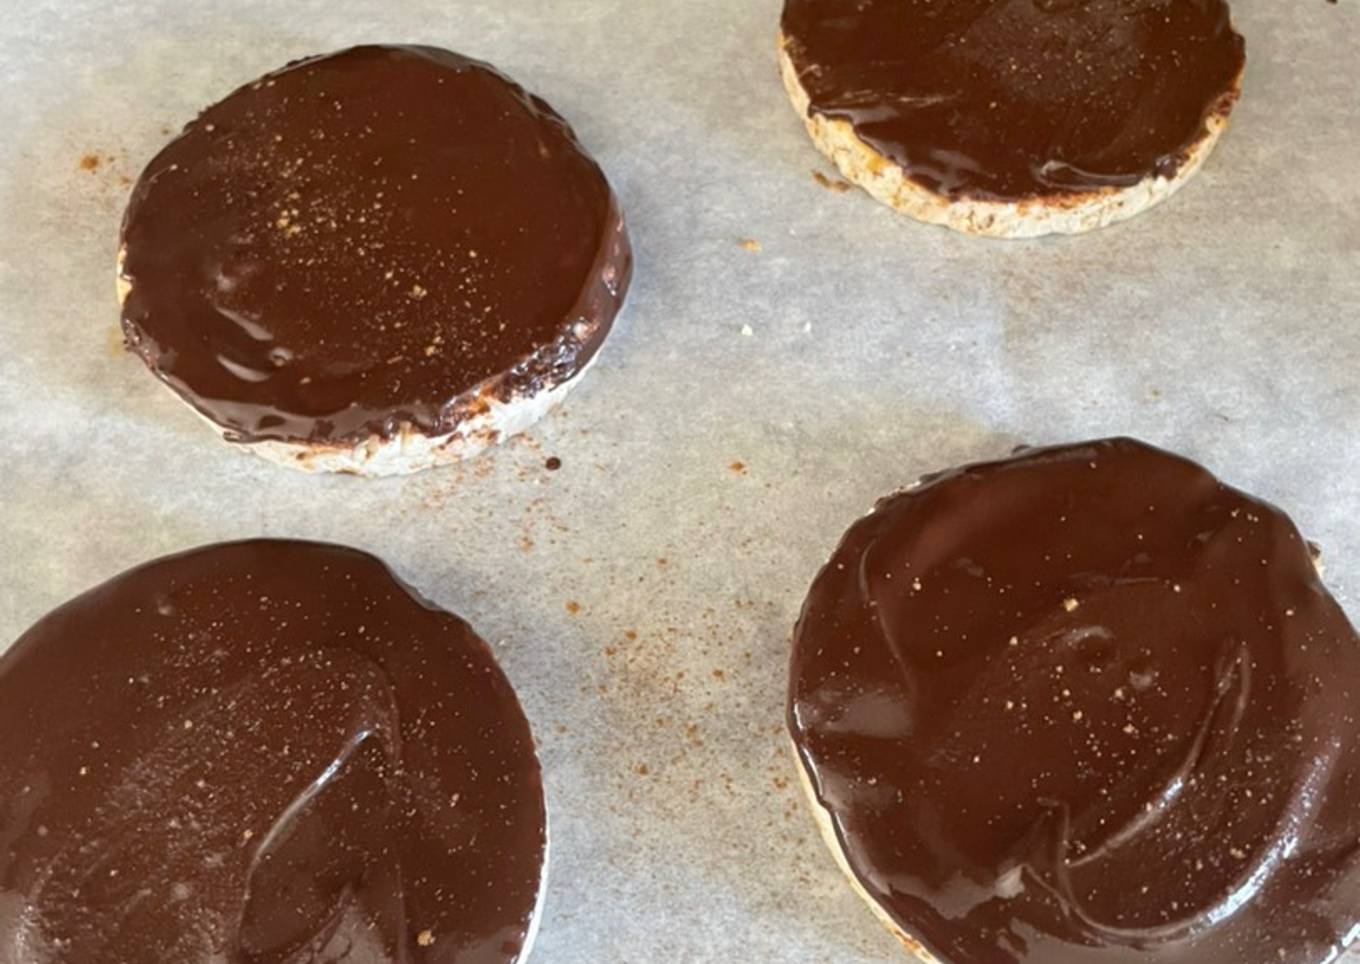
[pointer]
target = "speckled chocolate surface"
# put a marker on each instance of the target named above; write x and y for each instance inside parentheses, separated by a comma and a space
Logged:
(370, 239)
(264, 751)
(1088, 703)
(1013, 99)
(878, 350)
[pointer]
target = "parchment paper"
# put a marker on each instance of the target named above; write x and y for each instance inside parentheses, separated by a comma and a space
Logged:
(748, 407)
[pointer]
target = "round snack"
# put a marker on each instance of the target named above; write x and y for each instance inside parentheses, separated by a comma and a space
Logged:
(373, 262)
(1086, 705)
(1014, 118)
(262, 752)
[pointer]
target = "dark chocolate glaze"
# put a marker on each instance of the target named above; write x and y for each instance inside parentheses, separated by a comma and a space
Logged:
(357, 240)
(263, 753)
(1087, 705)
(1011, 99)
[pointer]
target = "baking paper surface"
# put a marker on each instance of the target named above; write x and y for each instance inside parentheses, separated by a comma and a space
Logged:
(754, 399)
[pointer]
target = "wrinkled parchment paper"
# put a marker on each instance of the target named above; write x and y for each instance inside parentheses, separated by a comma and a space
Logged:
(754, 399)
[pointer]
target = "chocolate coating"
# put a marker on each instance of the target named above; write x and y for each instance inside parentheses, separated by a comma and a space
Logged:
(1087, 705)
(357, 240)
(1013, 99)
(265, 752)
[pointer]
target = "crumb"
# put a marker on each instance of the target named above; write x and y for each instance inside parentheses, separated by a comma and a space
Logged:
(90, 162)
(117, 344)
(1070, 604)
(553, 464)
(573, 606)
(747, 331)
(837, 185)
(750, 244)
(738, 468)
(425, 938)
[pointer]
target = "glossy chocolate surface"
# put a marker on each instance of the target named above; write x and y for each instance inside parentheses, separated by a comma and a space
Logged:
(263, 753)
(1010, 99)
(356, 240)
(1087, 705)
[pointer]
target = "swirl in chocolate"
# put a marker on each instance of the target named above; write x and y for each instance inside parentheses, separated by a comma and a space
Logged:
(380, 236)
(263, 753)
(1087, 705)
(1011, 99)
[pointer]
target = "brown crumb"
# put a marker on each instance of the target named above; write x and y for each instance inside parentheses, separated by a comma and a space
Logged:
(553, 464)
(750, 244)
(738, 468)
(573, 606)
(630, 634)
(90, 162)
(837, 185)
(642, 769)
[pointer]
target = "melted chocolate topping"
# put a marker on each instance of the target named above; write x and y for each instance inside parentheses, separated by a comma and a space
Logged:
(1010, 99)
(263, 753)
(358, 239)
(1087, 705)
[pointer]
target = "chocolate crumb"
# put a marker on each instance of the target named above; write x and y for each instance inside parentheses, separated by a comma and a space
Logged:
(837, 185)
